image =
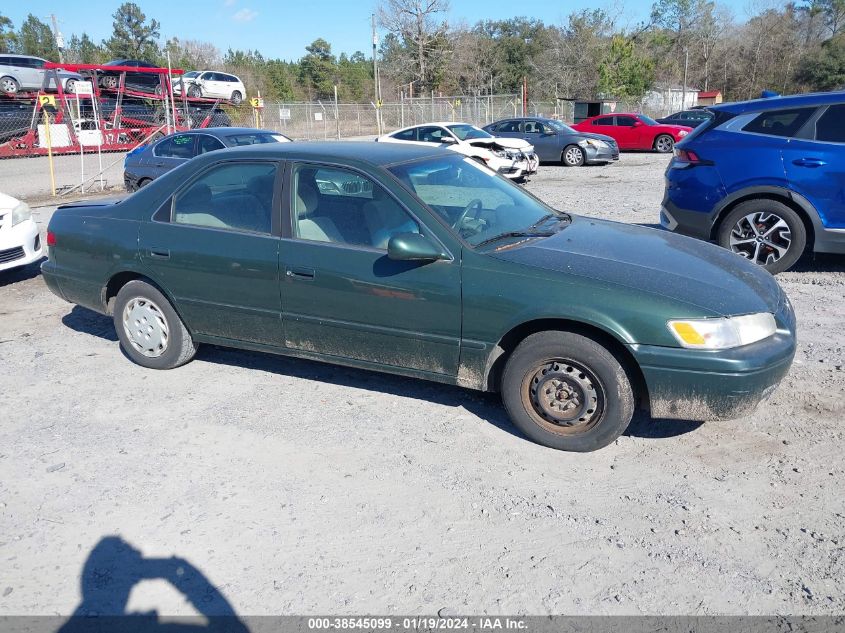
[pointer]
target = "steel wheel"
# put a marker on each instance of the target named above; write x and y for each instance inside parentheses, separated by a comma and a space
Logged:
(146, 327)
(761, 237)
(8, 85)
(664, 144)
(566, 398)
(110, 82)
(573, 156)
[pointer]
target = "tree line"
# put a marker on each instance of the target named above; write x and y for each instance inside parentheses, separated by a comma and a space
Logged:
(702, 44)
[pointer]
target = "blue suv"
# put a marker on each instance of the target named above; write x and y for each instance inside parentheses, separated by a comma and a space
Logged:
(764, 178)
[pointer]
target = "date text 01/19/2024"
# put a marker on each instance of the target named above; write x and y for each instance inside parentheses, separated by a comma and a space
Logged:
(417, 623)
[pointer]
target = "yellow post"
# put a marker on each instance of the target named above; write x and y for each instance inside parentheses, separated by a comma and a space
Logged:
(49, 151)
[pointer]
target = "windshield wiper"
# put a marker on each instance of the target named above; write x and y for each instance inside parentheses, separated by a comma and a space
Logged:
(503, 236)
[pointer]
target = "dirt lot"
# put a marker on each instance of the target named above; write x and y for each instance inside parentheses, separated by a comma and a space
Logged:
(296, 487)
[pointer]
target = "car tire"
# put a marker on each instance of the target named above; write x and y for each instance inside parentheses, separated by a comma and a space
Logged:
(150, 332)
(194, 91)
(143, 183)
(237, 97)
(110, 82)
(664, 144)
(158, 90)
(573, 156)
(593, 400)
(779, 226)
(9, 85)
(70, 86)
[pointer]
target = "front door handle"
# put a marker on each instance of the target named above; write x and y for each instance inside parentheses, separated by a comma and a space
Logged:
(305, 274)
(160, 253)
(809, 162)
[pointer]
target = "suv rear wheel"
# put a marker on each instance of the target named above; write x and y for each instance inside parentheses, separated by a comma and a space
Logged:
(766, 232)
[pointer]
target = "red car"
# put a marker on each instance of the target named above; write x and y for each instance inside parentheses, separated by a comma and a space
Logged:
(636, 131)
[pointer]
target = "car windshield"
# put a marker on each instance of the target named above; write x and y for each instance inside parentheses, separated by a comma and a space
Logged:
(560, 127)
(468, 132)
(255, 138)
(191, 75)
(480, 206)
(648, 120)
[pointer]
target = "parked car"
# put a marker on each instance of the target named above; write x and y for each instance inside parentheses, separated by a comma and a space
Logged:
(557, 142)
(635, 131)
(212, 84)
(20, 241)
(139, 111)
(147, 162)
(687, 118)
(137, 81)
(20, 73)
(763, 178)
(510, 157)
(15, 118)
(421, 262)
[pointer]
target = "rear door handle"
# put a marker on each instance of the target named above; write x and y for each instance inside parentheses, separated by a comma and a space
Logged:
(809, 162)
(160, 253)
(305, 274)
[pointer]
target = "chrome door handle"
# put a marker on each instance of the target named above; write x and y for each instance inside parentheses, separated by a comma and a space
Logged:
(305, 274)
(160, 253)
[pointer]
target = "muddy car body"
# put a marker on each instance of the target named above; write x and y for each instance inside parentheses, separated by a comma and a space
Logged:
(421, 262)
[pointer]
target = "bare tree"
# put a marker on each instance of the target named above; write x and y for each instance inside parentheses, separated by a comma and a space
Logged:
(419, 25)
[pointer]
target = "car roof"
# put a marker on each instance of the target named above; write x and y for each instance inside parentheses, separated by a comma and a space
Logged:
(227, 131)
(777, 103)
(360, 152)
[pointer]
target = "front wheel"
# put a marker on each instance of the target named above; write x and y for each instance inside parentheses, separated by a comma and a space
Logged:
(566, 391)
(150, 331)
(194, 91)
(766, 232)
(573, 156)
(664, 144)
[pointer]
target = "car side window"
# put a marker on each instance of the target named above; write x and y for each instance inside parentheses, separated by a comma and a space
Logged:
(206, 143)
(406, 135)
(177, 146)
(511, 127)
(236, 195)
(605, 120)
(831, 125)
(341, 206)
(532, 127)
(37, 63)
(780, 122)
(625, 121)
(432, 134)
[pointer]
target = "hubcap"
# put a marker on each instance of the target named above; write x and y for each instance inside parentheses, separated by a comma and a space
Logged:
(664, 144)
(9, 85)
(566, 397)
(146, 327)
(761, 237)
(573, 156)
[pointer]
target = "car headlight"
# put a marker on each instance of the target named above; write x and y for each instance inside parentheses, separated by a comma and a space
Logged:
(499, 152)
(21, 213)
(723, 333)
(683, 133)
(594, 143)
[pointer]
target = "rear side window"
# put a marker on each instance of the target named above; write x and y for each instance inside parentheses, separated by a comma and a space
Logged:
(509, 127)
(625, 121)
(605, 120)
(831, 125)
(407, 135)
(179, 146)
(780, 122)
(206, 143)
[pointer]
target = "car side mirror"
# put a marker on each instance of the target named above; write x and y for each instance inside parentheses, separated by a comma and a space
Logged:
(638, 123)
(448, 140)
(413, 247)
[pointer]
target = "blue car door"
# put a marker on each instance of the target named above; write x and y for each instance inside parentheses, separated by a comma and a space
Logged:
(169, 153)
(815, 167)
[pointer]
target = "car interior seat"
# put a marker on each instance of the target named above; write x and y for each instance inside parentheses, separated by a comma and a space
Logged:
(196, 206)
(309, 226)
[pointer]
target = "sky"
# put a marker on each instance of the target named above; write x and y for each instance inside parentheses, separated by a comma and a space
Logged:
(282, 29)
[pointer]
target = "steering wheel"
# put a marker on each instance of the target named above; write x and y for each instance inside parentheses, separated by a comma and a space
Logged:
(476, 204)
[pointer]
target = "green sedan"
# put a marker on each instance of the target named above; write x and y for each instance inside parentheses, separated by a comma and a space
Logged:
(421, 262)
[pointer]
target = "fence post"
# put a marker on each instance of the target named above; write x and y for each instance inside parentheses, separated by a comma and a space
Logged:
(336, 113)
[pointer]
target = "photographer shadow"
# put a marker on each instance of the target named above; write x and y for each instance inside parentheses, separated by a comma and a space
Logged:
(111, 571)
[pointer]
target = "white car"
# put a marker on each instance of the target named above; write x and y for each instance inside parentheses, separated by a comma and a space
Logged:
(212, 84)
(20, 241)
(511, 157)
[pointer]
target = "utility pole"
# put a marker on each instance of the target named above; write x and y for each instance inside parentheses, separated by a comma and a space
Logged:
(376, 81)
(686, 67)
(60, 39)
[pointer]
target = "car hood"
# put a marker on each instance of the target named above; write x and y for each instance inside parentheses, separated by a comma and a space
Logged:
(654, 261)
(502, 141)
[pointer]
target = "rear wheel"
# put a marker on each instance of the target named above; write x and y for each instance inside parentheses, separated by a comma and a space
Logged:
(566, 391)
(110, 82)
(766, 232)
(194, 91)
(573, 156)
(144, 182)
(70, 86)
(9, 85)
(150, 331)
(664, 144)
(237, 97)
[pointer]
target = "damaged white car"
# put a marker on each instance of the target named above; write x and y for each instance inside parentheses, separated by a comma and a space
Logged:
(511, 157)
(20, 242)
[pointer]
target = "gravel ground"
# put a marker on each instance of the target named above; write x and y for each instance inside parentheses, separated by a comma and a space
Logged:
(297, 487)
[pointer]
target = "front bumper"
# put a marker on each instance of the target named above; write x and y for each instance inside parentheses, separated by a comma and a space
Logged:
(519, 166)
(130, 181)
(601, 154)
(716, 384)
(20, 245)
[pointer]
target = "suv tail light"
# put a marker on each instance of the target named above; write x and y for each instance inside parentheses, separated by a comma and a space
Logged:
(51, 238)
(690, 158)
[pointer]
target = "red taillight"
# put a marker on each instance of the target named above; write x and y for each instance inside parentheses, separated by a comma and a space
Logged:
(51, 238)
(687, 156)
